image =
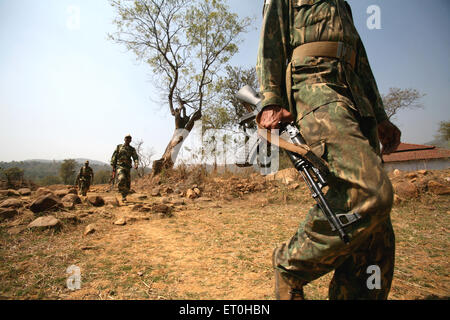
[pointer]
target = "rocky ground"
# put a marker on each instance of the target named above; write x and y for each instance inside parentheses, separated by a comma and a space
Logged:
(189, 235)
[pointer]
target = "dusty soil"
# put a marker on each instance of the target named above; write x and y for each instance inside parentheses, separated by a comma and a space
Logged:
(217, 246)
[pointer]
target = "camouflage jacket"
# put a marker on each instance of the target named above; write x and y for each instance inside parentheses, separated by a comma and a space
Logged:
(288, 24)
(122, 156)
(86, 172)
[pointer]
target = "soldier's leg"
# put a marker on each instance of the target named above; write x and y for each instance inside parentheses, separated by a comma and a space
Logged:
(122, 182)
(367, 273)
(357, 184)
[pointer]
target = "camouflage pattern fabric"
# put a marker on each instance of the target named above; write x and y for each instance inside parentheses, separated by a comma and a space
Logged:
(124, 180)
(337, 109)
(357, 183)
(84, 179)
(121, 161)
(288, 24)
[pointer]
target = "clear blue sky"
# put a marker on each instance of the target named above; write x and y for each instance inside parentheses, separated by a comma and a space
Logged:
(68, 92)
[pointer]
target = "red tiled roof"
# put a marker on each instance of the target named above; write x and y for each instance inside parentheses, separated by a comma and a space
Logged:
(411, 152)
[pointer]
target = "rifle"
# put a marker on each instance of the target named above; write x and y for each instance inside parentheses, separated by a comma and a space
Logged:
(311, 167)
(112, 180)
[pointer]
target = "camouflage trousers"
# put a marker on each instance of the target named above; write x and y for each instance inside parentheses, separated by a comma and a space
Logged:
(123, 180)
(357, 183)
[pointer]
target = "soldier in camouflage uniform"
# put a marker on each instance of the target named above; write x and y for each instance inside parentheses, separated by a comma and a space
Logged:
(121, 164)
(313, 68)
(85, 178)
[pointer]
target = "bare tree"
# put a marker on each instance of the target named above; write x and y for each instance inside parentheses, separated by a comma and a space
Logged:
(185, 42)
(145, 157)
(399, 99)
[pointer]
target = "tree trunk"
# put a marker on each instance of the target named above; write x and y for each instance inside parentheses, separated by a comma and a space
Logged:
(169, 157)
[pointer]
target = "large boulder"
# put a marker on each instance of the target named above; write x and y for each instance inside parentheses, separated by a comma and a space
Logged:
(24, 191)
(71, 198)
(96, 201)
(406, 190)
(11, 203)
(438, 188)
(61, 193)
(190, 194)
(45, 222)
(46, 202)
(42, 191)
(7, 213)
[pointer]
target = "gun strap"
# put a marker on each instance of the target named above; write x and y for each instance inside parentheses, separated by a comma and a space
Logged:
(281, 143)
(302, 150)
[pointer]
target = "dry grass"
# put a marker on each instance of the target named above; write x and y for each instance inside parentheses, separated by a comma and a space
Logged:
(207, 250)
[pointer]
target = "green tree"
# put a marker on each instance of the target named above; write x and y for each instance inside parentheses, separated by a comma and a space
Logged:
(67, 171)
(49, 180)
(102, 177)
(14, 176)
(399, 99)
(186, 43)
(444, 130)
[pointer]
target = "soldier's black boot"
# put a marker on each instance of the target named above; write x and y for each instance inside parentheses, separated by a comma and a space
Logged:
(283, 291)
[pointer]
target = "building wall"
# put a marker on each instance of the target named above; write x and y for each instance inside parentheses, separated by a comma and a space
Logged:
(433, 164)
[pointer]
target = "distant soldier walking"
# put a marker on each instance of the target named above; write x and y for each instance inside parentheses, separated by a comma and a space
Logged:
(121, 165)
(85, 178)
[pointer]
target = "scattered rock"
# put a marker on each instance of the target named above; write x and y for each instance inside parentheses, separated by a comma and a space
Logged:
(61, 193)
(112, 201)
(13, 193)
(397, 172)
(11, 203)
(190, 194)
(411, 175)
(96, 201)
(120, 222)
(406, 190)
(72, 191)
(45, 203)
(197, 191)
(160, 208)
(16, 230)
(156, 192)
(168, 190)
(42, 191)
(24, 191)
(422, 172)
(45, 222)
(89, 229)
(73, 198)
(165, 200)
(7, 213)
(438, 188)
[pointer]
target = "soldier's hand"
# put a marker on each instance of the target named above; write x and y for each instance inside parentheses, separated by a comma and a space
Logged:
(271, 116)
(389, 136)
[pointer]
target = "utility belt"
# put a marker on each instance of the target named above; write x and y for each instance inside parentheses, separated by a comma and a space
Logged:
(330, 49)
